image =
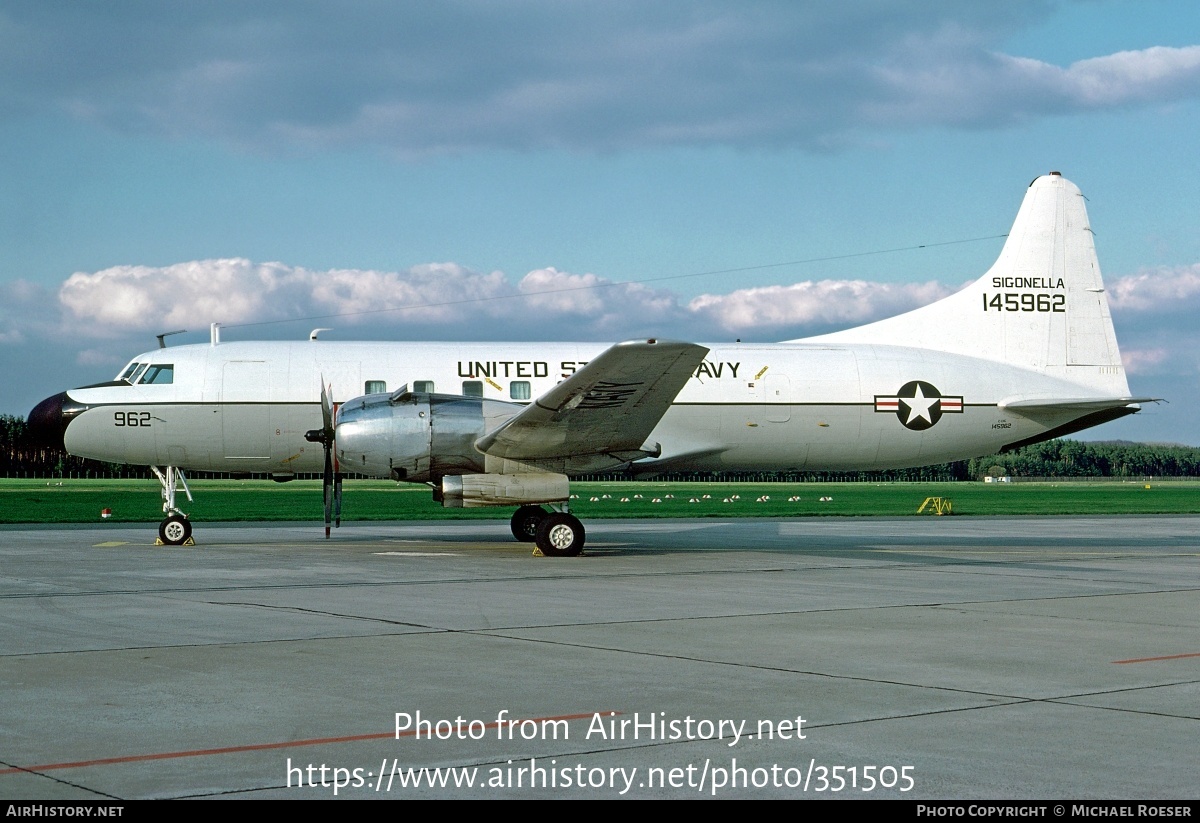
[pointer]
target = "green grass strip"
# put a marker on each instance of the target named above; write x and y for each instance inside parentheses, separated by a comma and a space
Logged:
(81, 501)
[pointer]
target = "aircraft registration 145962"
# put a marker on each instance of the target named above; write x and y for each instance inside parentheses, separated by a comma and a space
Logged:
(1024, 354)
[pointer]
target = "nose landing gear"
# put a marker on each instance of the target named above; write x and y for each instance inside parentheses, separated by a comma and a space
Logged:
(175, 529)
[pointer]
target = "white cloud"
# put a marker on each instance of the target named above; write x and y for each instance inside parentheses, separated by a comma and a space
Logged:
(1134, 76)
(145, 297)
(450, 300)
(444, 297)
(1153, 311)
(808, 304)
(428, 293)
(617, 309)
(562, 293)
(952, 85)
(1145, 361)
(236, 291)
(1162, 290)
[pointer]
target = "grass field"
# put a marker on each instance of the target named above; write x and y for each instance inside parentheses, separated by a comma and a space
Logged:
(81, 501)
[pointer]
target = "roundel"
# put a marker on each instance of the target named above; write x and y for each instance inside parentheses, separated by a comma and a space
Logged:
(919, 405)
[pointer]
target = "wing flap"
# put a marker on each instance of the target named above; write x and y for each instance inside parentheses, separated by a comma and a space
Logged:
(610, 406)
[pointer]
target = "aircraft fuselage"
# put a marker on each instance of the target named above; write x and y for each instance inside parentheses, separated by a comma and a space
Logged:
(245, 407)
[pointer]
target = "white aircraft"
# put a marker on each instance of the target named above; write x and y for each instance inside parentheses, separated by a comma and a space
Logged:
(1024, 354)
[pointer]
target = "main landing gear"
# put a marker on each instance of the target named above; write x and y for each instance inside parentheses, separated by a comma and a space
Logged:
(175, 529)
(555, 533)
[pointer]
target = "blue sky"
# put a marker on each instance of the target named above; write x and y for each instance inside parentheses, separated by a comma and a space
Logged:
(165, 166)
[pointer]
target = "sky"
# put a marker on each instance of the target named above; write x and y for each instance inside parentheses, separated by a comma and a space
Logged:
(537, 170)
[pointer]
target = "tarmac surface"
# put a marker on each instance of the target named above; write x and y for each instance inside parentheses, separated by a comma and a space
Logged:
(921, 658)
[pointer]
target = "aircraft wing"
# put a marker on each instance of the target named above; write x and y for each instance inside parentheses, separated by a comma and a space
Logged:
(608, 407)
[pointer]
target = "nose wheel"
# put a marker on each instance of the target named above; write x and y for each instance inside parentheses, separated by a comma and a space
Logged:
(175, 530)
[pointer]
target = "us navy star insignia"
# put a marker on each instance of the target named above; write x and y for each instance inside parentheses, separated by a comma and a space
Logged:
(919, 405)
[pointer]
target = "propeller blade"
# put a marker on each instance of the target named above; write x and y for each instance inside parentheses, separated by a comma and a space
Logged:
(327, 488)
(331, 481)
(326, 412)
(337, 499)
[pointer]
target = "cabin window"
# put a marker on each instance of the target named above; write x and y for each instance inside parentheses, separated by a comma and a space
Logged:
(519, 390)
(425, 386)
(473, 388)
(376, 387)
(159, 373)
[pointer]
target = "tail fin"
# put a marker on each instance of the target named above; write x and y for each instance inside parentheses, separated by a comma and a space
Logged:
(1041, 306)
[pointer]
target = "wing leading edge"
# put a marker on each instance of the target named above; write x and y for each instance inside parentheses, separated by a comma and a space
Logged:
(608, 407)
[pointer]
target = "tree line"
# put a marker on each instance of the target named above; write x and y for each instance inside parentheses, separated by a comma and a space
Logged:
(20, 456)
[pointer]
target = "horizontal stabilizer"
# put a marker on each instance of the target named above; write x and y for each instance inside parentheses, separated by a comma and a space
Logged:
(1073, 404)
(610, 406)
(1066, 415)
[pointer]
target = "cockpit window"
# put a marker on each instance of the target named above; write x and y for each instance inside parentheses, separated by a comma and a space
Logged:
(159, 373)
(129, 371)
(132, 373)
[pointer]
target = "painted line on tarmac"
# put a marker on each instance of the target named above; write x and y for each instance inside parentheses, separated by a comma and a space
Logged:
(1155, 659)
(258, 747)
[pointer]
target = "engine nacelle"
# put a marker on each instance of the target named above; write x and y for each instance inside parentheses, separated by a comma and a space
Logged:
(470, 490)
(416, 436)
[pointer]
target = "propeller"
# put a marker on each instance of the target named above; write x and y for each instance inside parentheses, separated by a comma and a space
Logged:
(331, 479)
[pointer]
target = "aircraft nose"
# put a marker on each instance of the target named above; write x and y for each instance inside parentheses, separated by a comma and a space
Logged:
(48, 421)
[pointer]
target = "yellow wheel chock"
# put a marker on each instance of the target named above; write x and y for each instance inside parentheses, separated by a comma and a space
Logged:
(936, 505)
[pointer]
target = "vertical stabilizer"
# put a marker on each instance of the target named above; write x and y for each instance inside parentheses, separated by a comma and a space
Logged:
(1042, 305)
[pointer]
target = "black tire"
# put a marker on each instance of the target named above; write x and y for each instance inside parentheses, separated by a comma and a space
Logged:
(560, 535)
(525, 522)
(175, 530)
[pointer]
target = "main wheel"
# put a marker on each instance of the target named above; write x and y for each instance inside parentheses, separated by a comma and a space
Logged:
(525, 522)
(175, 530)
(560, 535)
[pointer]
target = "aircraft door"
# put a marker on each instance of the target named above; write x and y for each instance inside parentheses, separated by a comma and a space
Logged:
(245, 412)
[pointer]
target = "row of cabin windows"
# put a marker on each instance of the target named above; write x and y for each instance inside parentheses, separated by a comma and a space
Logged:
(517, 389)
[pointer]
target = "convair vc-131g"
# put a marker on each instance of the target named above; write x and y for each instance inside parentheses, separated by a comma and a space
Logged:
(1024, 354)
